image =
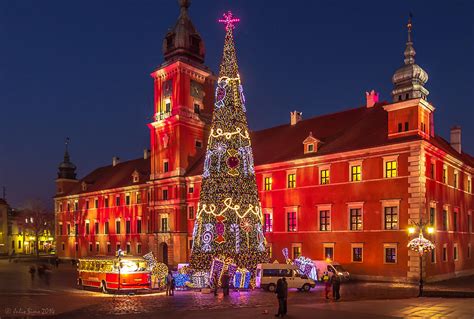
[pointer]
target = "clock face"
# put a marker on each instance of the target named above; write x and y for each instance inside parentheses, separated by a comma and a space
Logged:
(196, 89)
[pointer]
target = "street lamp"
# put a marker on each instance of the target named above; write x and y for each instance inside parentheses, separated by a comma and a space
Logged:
(119, 256)
(421, 245)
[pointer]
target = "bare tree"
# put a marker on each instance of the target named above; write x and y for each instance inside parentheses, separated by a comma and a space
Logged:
(37, 221)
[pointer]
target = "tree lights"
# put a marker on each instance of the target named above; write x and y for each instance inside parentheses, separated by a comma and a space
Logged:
(228, 222)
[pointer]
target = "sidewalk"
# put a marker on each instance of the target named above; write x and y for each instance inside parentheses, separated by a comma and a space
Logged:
(457, 287)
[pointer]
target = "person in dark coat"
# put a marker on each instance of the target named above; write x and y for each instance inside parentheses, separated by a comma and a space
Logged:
(282, 294)
(225, 283)
(336, 285)
(215, 283)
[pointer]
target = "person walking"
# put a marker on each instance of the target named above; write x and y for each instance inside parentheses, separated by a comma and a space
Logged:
(327, 284)
(336, 285)
(225, 283)
(32, 272)
(169, 278)
(57, 262)
(282, 294)
(173, 286)
(12, 255)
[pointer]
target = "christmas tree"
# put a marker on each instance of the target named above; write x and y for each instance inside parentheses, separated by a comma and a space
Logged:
(228, 222)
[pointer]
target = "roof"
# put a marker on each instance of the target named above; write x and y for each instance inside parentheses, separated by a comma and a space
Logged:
(348, 130)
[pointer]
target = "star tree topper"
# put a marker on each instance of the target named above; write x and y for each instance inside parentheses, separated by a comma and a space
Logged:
(229, 20)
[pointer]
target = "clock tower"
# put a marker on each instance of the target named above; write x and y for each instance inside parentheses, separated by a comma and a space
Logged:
(183, 103)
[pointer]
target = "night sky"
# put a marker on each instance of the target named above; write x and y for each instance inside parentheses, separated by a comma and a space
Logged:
(81, 69)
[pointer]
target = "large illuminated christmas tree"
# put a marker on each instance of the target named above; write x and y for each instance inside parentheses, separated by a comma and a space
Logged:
(229, 217)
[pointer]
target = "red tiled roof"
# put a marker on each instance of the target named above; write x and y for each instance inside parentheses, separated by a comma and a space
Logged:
(343, 131)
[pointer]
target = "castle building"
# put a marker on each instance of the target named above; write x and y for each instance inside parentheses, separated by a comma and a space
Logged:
(346, 186)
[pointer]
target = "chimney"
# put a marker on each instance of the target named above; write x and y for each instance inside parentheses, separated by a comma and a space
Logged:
(455, 138)
(371, 98)
(146, 153)
(295, 117)
(115, 160)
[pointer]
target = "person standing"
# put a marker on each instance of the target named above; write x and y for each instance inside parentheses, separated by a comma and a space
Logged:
(327, 284)
(173, 286)
(336, 285)
(12, 255)
(282, 294)
(215, 283)
(225, 283)
(169, 278)
(32, 272)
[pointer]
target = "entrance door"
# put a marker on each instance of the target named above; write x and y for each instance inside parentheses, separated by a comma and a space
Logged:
(164, 252)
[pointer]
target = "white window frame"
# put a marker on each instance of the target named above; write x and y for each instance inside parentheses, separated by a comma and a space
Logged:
(355, 205)
(357, 245)
(288, 173)
(390, 159)
(163, 165)
(329, 245)
(390, 245)
(322, 168)
(445, 167)
(324, 207)
(456, 178)
(290, 210)
(352, 164)
(433, 205)
(390, 203)
(167, 216)
(296, 245)
(445, 249)
(265, 176)
(269, 211)
(97, 244)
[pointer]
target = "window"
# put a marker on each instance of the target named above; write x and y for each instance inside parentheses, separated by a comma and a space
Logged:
(469, 222)
(432, 216)
(391, 218)
(106, 202)
(97, 247)
(117, 226)
(117, 200)
(87, 228)
(324, 176)
(391, 169)
(433, 256)
(63, 246)
(445, 252)
(469, 251)
(96, 203)
(60, 229)
(164, 224)
(291, 178)
(355, 215)
(390, 254)
(191, 212)
(138, 197)
(324, 220)
(357, 251)
(455, 221)
(148, 195)
(117, 247)
(128, 248)
(139, 226)
(190, 243)
(268, 183)
(68, 229)
(96, 227)
(167, 106)
(127, 199)
(198, 144)
(267, 223)
(165, 166)
(191, 189)
(68, 206)
(90, 247)
(60, 207)
(19, 244)
(87, 204)
(433, 170)
(455, 252)
(310, 148)
(455, 181)
(139, 248)
(445, 219)
(406, 123)
(356, 173)
(165, 194)
(400, 127)
(109, 248)
(76, 229)
(445, 174)
(328, 250)
(127, 227)
(270, 249)
(296, 250)
(76, 205)
(76, 244)
(106, 228)
(469, 184)
(291, 221)
(197, 108)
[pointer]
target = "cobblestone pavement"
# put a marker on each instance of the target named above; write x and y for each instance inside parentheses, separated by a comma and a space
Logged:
(20, 296)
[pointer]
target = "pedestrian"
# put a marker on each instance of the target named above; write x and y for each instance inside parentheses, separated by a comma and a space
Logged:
(169, 278)
(57, 262)
(173, 286)
(12, 255)
(282, 294)
(327, 284)
(336, 285)
(225, 283)
(32, 272)
(215, 283)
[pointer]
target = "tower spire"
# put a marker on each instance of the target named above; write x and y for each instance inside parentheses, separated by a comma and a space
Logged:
(67, 169)
(409, 50)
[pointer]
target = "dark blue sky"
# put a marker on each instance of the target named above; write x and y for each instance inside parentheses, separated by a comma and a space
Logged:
(81, 69)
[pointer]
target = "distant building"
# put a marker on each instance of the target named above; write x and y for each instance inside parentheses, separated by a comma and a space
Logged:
(343, 186)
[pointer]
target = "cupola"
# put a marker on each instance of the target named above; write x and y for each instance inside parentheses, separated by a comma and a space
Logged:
(66, 169)
(183, 41)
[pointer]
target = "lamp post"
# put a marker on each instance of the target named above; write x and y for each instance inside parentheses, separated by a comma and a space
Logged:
(119, 256)
(421, 245)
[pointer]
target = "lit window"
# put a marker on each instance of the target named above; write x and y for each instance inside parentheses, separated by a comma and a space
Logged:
(164, 224)
(469, 185)
(268, 183)
(324, 176)
(391, 218)
(267, 223)
(324, 220)
(355, 216)
(356, 173)
(357, 253)
(191, 212)
(445, 174)
(291, 180)
(291, 221)
(455, 182)
(138, 197)
(328, 251)
(97, 247)
(296, 251)
(391, 169)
